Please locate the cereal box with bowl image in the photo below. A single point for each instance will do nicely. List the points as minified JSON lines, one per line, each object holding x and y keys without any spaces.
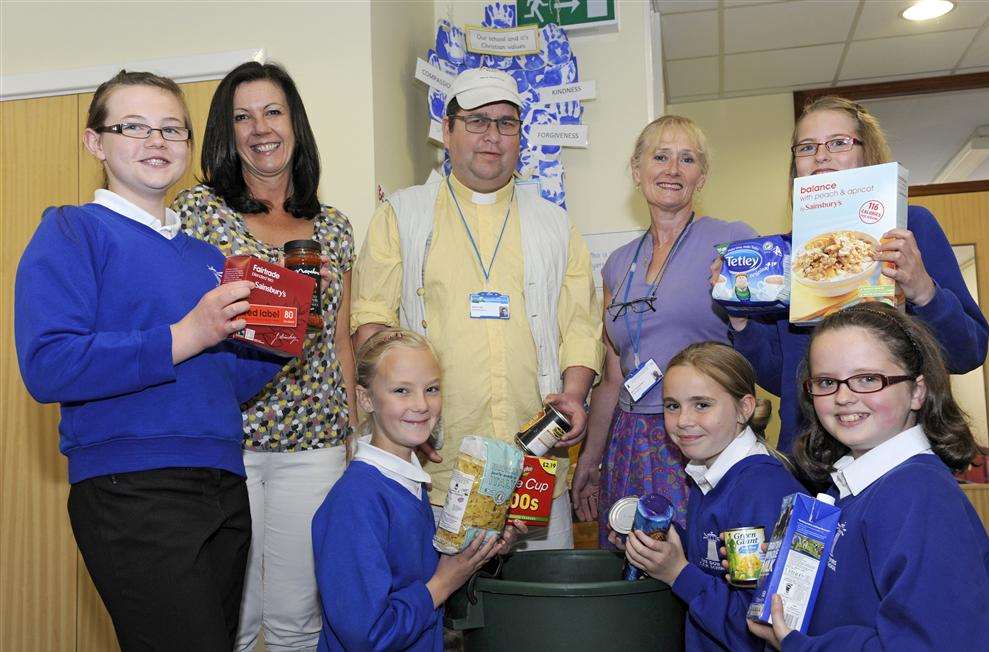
{"x":484,"y":478}
{"x":839,"y":219}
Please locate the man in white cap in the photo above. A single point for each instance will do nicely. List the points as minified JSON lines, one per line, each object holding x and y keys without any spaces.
{"x":497,"y":279}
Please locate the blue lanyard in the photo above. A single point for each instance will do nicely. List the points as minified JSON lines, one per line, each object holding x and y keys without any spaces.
{"x":636,"y":338}
{"x":470,"y":236}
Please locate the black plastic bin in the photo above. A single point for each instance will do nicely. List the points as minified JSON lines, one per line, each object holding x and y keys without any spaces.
{"x":566,"y":601}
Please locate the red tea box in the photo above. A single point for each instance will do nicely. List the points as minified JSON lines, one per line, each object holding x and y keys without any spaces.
{"x":280,"y":300}
{"x":533,"y":497}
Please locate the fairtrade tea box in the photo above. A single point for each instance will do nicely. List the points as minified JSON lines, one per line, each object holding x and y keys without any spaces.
{"x":280,"y":301}
{"x":839,"y":219}
{"x":754,"y":278}
{"x":533,"y":497}
{"x":796,"y":558}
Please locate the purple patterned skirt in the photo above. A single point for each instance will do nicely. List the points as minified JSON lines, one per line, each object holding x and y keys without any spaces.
{"x":640,"y":459}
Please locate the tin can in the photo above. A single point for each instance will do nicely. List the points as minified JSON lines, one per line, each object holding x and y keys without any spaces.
{"x":744,"y":546}
{"x":621,"y":516}
{"x":653,"y":516}
{"x":542,"y":432}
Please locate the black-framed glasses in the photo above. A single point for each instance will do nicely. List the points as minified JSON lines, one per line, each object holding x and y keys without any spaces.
{"x":839,"y":144}
{"x":859,"y":383}
{"x":637,"y":306}
{"x":138,"y":130}
{"x":479,"y":124}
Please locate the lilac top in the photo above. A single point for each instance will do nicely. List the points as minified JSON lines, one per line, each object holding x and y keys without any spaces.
{"x":685,"y":312}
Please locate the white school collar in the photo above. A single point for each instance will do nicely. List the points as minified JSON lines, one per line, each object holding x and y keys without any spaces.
{"x":408,"y":474}
{"x":742,"y":446}
{"x":853,"y":476}
{"x":109,"y":199}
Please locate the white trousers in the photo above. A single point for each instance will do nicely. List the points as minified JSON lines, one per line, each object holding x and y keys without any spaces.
{"x":280,"y":595}
{"x":556,"y":535}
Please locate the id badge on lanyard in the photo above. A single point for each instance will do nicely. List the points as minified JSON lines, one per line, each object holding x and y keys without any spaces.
{"x":642,"y":379}
{"x":489,"y":305}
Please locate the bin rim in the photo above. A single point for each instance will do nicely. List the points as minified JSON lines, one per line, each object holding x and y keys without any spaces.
{"x":568,"y":589}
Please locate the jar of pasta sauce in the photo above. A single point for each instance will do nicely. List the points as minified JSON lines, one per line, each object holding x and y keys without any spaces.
{"x":303,"y":256}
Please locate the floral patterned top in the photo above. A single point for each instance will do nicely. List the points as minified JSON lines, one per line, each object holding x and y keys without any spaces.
{"x":305,"y":406}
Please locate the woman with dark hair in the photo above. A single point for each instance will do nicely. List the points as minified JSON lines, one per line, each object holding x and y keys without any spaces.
{"x":260,"y":175}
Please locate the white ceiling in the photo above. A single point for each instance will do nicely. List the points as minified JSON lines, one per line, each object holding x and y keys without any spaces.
{"x":728,"y":48}
{"x":926,"y":131}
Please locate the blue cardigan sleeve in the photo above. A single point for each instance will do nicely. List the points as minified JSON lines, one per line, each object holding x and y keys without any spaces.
{"x":759,"y":342}
{"x":953,"y":315}
{"x":927,"y":555}
{"x":713,"y":605}
{"x":354,"y":579}
{"x":253,"y":369}
{"x":62,"y":358}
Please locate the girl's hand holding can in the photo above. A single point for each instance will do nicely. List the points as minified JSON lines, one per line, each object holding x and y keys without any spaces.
{"x":662,"y":560}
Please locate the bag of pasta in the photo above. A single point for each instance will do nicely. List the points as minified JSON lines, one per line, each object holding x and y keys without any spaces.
{"x":481,"y":487}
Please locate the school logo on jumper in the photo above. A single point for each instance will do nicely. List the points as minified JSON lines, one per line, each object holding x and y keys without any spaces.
{"x":711,"y":560}
{"x":832,"y":562}
{"x":216,"y":274}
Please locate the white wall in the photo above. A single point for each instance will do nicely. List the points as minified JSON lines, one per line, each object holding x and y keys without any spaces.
{"x":325,"y":46}
{"x":400,"y":32}
{"x":749,"y":139}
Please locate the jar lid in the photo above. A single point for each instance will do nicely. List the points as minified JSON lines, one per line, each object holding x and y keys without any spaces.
{"x":621,"y":517}
{"x":302,"y":244}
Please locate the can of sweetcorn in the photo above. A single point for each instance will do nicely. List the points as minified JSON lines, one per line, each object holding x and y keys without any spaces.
{"x":744,"y":548}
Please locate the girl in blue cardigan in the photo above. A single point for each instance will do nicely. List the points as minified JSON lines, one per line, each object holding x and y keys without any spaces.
{"x":713,"y":416}
{"x":119,"y":317}
{"x":381,"y":583}
{"x":909,"y":569}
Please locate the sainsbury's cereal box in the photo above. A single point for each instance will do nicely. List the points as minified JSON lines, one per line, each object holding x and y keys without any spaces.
{"x":839,"y":218}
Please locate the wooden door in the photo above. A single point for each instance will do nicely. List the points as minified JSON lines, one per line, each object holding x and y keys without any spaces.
{"x":965,"y":219}
{"x":47,"y":600}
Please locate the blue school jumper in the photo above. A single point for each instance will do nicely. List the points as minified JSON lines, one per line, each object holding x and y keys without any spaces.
{"x":373,"y":549}
{"x":748,"y":495}
{"x":95,"y":296}
{"x":909,"y":570}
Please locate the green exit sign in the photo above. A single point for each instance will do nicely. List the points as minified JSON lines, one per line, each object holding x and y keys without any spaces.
{"x":566,"y":13}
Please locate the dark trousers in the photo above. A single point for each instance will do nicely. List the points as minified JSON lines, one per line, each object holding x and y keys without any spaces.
{"x":167,"y":550}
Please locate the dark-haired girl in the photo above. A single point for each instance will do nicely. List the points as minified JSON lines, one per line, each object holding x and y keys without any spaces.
{"x":909,"y":569}
{"x":120,"y":319}
{"x":260,"y":176}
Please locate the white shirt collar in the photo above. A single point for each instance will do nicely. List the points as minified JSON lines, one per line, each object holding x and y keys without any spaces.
{"x":484,"y":197}
{"x":853,"y":476}
{"x":118,"y":204}
{"x":742,"y":446}
{"x":408,"y":474}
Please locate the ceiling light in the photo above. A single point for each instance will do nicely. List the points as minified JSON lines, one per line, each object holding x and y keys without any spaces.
{"x":927,"y":9}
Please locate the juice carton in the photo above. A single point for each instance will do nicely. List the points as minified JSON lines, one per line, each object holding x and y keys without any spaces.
{"x":280,"y":301}
{"x":839,"y":219}
{"x":533,"y":497}
{"x":796,"y":559}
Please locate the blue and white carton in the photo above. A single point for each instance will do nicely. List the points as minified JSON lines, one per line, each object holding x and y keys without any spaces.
{"x":796,"y":559}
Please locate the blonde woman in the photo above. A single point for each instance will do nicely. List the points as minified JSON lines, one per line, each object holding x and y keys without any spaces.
{"x":657,"y":301}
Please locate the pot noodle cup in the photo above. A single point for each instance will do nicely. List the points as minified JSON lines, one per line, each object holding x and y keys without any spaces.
{"x":841,"y":282}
